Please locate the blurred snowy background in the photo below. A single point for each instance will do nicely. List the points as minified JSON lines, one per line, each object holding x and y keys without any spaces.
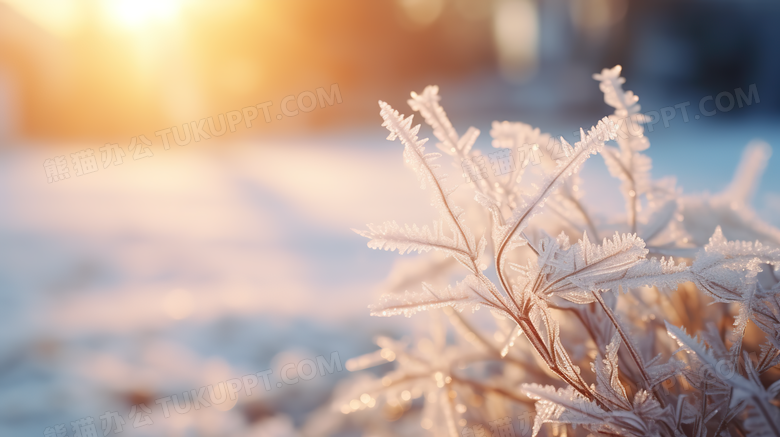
{"x":234,"y":255}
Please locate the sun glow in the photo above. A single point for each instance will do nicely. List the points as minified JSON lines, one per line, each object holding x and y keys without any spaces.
{"x":134,"y":14}
{"x":65,"y":17}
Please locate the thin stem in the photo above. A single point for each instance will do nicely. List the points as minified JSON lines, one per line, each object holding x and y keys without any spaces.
{"x":632,"y":188}
{"x":632,"y":352}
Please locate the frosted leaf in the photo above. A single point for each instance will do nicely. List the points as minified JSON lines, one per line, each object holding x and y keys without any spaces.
{"x":743,"y":387}
{"x":562,"y":406}
{"x":722,"y":258}
{"x":532,"y":204}
{"x":619,"y":262}
{"x":404,"y":239}
{"x":562,"y":358}
{"x":727,"y":271}
{"x":626,"y":162}
{"x":611,"y":84}
{"x":427,"y":104}
{"x":423,"y":164}
{"x":471,"y":292}
{"x":608,"y":383}
{"x":643,"y":417}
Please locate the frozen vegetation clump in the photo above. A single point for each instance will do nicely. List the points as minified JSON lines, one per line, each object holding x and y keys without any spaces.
{"x":662,"y":321}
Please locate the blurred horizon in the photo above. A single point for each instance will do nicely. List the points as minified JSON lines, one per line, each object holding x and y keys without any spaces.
{"x":105,"y":70}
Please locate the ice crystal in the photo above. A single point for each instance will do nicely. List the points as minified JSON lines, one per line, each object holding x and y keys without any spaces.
{"x":611,"y":305}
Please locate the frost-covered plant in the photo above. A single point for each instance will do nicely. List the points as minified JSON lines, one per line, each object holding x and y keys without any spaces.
{"x":603,"y":294}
